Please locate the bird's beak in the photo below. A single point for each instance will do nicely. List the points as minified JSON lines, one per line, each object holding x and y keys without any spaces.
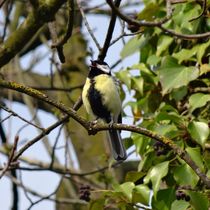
{"x":93,"y":64}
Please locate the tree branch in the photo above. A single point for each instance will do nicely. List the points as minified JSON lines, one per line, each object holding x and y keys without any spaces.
{"x":93,"y":129}
{"x":35,"y":193}
{"x":57,"y":167}
{"x":155,"y":24}
{"x":39,"y":137}
{"x":110,"y":31}
{"x":70,"y":24}
{"x":90,"y":31}
{"x":28,"y":28}
{"x":11,"y":156}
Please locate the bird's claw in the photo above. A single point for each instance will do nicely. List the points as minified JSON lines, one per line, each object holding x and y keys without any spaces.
{"x":91,"y":131}
{"x":111,"y":124}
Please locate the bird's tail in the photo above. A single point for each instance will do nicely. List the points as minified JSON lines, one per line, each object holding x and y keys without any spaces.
{"x":118,"y":149}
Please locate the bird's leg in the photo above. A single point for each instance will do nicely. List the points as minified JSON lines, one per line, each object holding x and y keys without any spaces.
{"x":111,"y":124}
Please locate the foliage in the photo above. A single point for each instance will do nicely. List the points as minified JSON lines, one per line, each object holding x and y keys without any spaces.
{"x":172,"y":98}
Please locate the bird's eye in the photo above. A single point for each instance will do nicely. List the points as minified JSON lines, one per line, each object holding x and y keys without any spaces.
{"x":93,"y":63}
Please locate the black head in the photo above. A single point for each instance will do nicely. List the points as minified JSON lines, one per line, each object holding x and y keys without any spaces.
{"x":100,"y":67}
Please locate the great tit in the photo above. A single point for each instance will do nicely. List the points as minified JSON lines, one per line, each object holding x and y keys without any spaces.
{"x":101,"y":99}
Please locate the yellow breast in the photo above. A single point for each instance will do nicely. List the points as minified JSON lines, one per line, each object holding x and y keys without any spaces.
{"x":109,"y":91}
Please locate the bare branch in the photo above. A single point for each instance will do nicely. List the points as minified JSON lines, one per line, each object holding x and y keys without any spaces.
{"x":202,"y":13}
{"x":47,"y":197}
{"x":110,"y":31}
{"x":185,"y":36}
{"x":70,"y":25}
{"x":10,"y":160}
{"x":94,"y":129}
{"x":27,"y":29}
{"x":133,"y":21}
{"x":17,"y":115}
{"x":156,"y":24}
{"x":58,"y":168}
{"x":90,"y":31}
{"x":39,"y":137}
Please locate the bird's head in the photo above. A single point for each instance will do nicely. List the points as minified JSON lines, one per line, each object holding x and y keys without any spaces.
{"x":100,"y":65}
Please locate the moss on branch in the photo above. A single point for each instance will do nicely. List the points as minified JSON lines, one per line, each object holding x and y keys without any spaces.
{"x":99,"y":127}
{"x":34,"y":21}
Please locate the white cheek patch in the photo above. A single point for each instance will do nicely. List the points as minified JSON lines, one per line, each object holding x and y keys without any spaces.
{"x":104,"y":68}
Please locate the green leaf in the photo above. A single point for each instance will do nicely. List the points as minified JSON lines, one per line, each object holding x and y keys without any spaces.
{"x":201,"y":50}
{"x":199,"y":131}
{"x":149,"y":11}
{"x":179,"y":93}
{"x":164,"y":199}
{"x":195,"y":154}
{"x":125,"y":77}
{"x":155,"y":175}
{"x":186,"y":54}
{"x":132,"y":46}
{"x":184,"y":175}
{"x":133,"y":176}
{"x":141,"y":194}
{"x":140,"y":142}
{"x":163,"y":44}
{"x":180,"y":205}
{"x":147,"y":160}
{"x":145,"y":73}
{"x":198,"y":100}
{"x":138,"y":84}
{"x":172,"y":75}
{"x":170,"y":116}
{"x":198,"y":200}
{"x":96,"y":204}
{"x":126,"y":188}
{"x":153,"y":60}
{"x":165,"y":130}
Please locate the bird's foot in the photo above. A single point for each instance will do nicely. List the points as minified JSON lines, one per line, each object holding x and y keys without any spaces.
{"x":111,"y":124}
{"x":91,"y":130}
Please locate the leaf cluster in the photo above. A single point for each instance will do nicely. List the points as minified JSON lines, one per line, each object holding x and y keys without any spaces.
{"x":171,"y":84}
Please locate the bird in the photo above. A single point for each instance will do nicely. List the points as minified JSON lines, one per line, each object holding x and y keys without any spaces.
{"x":101,"y":100}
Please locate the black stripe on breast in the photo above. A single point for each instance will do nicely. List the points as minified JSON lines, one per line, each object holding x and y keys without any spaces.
{"x":95,"y":100}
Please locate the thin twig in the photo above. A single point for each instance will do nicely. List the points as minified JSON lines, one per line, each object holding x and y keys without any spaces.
{"x":109,"y":34}
{"x":156,"y":24}
{"x":40,"y":136}
{"x":202,"y":13}
{"x":15,"y":191}
{"x":35,"y":193}
{"x":134,"y":21}
{"x":17,"y":115}
{"x":6,"y":118}
{"x":58,"y":168}
{"x":70,"y":25}
{"x":59,"y":45}
{"x":123,"y":35}
{"x":10,"y":160}
{"x":52,"y":29}
{"x":55,"y":145}
{"x":90,"y":31}
{"x":185,"y":36}
{"x":7,"y":20}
